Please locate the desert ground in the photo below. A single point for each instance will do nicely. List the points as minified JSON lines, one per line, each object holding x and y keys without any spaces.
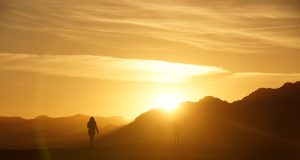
{"x":144,"y":151}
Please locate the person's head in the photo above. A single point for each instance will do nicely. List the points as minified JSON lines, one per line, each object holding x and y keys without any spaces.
{"x":92,"y":119}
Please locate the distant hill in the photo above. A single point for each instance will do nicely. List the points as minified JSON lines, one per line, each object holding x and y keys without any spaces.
{"x":44,"y":131}
{"x":267,"y":118}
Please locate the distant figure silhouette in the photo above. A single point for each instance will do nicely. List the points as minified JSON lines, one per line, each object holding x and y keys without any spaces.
{"x":176,"y":133}
{"x":92,"y":128}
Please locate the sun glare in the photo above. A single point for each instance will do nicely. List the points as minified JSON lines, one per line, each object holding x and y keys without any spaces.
{"x":168,"y":102}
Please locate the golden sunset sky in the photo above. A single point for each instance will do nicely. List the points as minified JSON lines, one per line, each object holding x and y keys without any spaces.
{"x":105,"y":57}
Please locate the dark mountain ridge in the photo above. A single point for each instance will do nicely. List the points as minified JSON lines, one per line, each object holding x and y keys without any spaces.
{"x":266,"y":118}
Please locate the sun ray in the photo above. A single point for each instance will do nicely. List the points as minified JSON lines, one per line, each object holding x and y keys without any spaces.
{"x":168,"y":102}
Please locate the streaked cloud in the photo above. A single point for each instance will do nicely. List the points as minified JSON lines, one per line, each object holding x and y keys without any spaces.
{"x":216,"y":26}
{"x":104,"y":67}
{"x":246,"y":78}
{"x":260,"y":74}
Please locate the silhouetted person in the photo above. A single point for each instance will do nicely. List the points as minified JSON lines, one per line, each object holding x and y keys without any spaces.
{"x":92,"y":128}
{"x":176,"y":133}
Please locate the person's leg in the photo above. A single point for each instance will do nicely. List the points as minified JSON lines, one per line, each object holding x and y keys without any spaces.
{"x":91,"y":140}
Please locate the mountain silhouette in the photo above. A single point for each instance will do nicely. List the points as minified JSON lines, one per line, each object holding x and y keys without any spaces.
{"x":266,"y":122}
{"x":267,"y":119}
{"x":44,"y":131}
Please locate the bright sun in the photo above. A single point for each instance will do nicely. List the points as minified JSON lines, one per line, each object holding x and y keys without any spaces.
{"x":168,"y":102}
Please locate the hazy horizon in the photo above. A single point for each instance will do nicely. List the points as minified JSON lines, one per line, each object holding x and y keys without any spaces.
{"x":124,"y":117}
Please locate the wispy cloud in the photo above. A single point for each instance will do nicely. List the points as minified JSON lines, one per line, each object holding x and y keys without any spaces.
{"x":259,"y":77}
{"x":247,"y":78}
{"x":219,"y":25}
{"x":104,"y":67}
